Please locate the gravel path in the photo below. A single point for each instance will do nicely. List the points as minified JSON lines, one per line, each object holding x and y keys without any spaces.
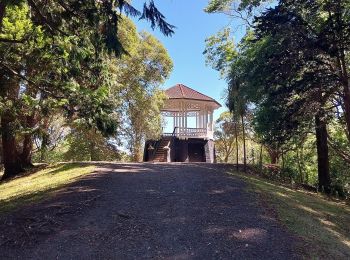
{"x":150,"y":211}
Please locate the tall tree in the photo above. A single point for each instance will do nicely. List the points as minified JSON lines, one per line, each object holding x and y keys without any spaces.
{"x":70,"y":43}
{"x":142,"y":71}
{"x":226,"y":136}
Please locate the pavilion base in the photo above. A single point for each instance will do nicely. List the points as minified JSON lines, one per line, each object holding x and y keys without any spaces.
{"x":170,"y":149}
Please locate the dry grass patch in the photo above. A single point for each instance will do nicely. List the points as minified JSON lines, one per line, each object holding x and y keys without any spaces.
{"x":322,"y":223}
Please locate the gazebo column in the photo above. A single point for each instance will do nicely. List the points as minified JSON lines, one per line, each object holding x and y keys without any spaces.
{"x":181,"y":117}
{"x":211,"y":120}
{"x":177,"y":119}
{"x":185,"y":116}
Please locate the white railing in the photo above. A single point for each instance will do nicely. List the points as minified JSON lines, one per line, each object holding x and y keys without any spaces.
{"x":182,"y":132}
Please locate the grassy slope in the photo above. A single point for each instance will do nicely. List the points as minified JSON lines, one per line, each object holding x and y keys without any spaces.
{"x":39,"y":185}
{"x":323,"y":224}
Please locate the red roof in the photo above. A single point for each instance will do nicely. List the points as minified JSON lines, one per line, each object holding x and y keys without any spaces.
{"x":180,"y":91}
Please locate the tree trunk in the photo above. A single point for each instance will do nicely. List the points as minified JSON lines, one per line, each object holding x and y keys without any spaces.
{"x":137,"y":151}
{"x":274,"y":154}
{"x":244,"y":146}
{"x":93,"y":156}
{"x":45,"y":140}
{"x":261,"y":159}
{"x":236,"y":136}
{"x":301,"y":174}
{"x":2,"y":13}
{"x":26,"y":156}
{"x":324,"y":180}
{"x":226,"y":158}
{"x":347,"y":107}
{"x":10,"y":157}
{"x":342,"y":66}
{"x":44,"y":147}
{"x":9,"y":89}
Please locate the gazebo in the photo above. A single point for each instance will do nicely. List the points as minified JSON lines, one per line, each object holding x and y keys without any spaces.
{"x":191,"y":139}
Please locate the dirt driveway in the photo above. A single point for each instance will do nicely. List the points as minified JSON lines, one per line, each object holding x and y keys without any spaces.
{"x":148,"y":211}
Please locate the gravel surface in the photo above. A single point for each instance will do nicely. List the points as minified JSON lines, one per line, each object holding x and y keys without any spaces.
{"x":148,"y":211}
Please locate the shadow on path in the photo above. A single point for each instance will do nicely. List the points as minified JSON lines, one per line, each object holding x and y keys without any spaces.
{"x":138,"y":211}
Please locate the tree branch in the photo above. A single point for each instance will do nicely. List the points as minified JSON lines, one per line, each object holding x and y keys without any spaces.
{"x":12,"y":41}
{"x":345,"y":156}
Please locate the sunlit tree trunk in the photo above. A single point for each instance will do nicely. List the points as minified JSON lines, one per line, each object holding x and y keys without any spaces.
{"x":45,"y":141}
{"x":299,"y":158}
{"x":261,"y":158}
{"x":26,"y":155}
{"x":137,"y":148}
{"x":226,"y":158}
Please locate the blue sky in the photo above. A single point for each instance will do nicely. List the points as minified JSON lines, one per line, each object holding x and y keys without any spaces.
{"x":186,"y":46}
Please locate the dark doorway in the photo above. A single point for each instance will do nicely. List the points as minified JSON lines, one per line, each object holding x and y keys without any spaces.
{"x":196,"y":152}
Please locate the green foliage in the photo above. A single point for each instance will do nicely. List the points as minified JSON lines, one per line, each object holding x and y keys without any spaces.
{"x":220,"y":51}
{"x":227,"y":5}
{"x":89,"y":145}
{"x":66,"y":18}
{"x":225,"y":134}
{"x":142,"y":72}
{"x":82,"y":62}
{"x":289,"y":70}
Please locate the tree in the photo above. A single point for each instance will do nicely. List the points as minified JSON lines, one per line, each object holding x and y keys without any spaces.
{"x":220,"y":51}
{"x":242,"y":10}
{"x":50,"y":80}
{"x":306,"y":80}
{"x":86,"y":144}
{"x":226,"y":136}
{"x":60,"y":17}
{"x":142,"y":72}
{"x":55,"y":55}
{"x":292,"y":66}
{"x":143,"y":121}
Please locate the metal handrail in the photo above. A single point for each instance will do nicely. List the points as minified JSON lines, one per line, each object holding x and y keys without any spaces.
{"x":174,"y":132}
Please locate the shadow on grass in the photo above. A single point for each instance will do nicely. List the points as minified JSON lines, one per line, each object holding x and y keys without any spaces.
{"x":40,"y":184}
{"x":324,"y":224}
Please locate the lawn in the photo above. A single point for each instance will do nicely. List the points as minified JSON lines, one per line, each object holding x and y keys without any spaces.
{"x":323,"y":224}
{"x":39,"y":185}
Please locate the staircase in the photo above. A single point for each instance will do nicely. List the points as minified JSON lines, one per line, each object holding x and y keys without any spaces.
{"x":160,"y":153}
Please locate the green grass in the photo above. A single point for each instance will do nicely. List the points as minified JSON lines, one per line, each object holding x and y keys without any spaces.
{"x":39,"y":185}
{"x":323,"y":224}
